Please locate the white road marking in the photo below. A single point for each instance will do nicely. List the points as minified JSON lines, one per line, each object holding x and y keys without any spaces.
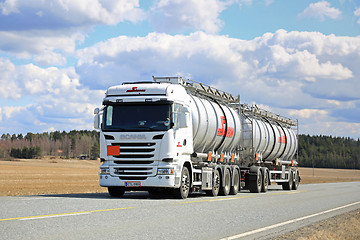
{"x":287,"y":222}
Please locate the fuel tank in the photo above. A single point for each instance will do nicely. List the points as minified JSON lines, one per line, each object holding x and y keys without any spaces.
{"x":216,"y":127}
{"x":221,"y":128}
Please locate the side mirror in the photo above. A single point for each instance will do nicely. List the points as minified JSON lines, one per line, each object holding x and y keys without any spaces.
{"x":97,"y":121}
{"x":97,"y":118}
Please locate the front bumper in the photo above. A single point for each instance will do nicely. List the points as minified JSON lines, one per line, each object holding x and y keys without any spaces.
{"x":170,"y":181}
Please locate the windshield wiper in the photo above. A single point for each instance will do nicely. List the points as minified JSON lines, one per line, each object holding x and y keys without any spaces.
{"x":145,"y":127}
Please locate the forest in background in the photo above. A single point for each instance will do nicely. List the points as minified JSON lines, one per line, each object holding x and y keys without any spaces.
{"x":314,"y":151}
{"x":329,"y":152}
{"x":73,"y":144}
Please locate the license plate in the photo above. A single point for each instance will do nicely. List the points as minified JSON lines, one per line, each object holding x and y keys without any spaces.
{"x":133,"y":184}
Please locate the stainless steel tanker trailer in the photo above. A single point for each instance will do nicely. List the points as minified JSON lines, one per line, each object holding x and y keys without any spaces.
{"x":178,"y":136}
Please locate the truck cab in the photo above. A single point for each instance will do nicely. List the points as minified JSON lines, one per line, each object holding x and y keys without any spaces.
{"x":145,"y":136}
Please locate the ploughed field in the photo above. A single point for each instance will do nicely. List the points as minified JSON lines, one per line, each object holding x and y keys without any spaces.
{"x":62,"y":176}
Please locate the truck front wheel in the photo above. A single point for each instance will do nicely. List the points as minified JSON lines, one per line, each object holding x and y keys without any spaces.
{"x":183,"y":191}
{"x":116,"y":191}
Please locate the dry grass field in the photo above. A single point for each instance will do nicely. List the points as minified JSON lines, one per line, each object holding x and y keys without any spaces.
{"x":61,"y":176}
{"x":48,"y":176}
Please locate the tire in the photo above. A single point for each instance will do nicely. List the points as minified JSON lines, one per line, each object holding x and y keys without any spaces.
{"x":288,"y":185}
{"x":296,"y":181}
{"x":225,"y":186}
{"x":215,"y":185}
{"x":255,"y":184}
{"x":116,"y":191}
{"x":183,"y":191}
{"x":234,"y":189}
{"x":265,"y":180}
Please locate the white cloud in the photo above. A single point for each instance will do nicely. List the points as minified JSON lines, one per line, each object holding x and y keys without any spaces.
{"x":54,"y":99}
{"x":47,"y":30}
{"x":8,"y":89}
{"x":321,"y":10}
{"x":8,"y":7}
{"x":308,"y":113}
{"x":175,"y":16}
{"x":50,"y":58}
{"x":357,"y":14}
{"x":58,"y":14}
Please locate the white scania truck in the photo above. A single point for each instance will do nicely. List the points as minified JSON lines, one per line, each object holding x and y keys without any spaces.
{"x":178,"y":136}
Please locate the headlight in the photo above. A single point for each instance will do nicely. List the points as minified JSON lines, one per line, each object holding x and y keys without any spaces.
{"x":104,"y":171}
{"x":165,"y":171}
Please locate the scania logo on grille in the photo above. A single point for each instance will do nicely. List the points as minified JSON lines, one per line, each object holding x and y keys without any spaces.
{"x":132,"y":136}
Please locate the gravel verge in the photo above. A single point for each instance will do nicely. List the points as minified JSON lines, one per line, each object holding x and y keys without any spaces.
{"x":344,"y":226}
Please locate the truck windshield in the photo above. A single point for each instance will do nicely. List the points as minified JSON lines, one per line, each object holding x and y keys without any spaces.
{"x":137,"y":117}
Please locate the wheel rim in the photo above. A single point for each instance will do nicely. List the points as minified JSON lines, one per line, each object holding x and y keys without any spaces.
{"x":216,"y":181}
{"x":185,"y":182}
{"x":227,"y":182}
{"x":259,"y":180}
{"x":236,"y":183}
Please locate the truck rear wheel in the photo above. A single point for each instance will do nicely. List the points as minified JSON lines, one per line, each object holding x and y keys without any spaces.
{"x":116,"y":191}
{"x":183,"y":191}
{"x":296,"y":181}
{"x":288,"y":185}
{"x":225,"y":188}
{"x":265,"y":180}
{"x":234,"y":189}
{"x":215,"y":185}
{"x":255,"y":184}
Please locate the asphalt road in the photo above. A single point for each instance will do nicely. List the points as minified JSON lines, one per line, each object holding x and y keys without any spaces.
{"x":138,"y":216}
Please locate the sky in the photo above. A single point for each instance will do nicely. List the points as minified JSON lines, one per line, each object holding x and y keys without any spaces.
{"x":300,"y":59}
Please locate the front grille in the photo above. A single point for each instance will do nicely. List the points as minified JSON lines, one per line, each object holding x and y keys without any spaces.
{"x":134,"y":155}
{"x":132,"y":171}
{"x":133,"y":162}
{"x":142,"y":150}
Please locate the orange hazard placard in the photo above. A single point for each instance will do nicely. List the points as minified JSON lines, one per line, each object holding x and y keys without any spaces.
{"x":113,"y":150}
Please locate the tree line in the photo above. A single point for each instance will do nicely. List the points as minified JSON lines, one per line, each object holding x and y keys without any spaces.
{"x":314,"y":151}
{"x":71,"y":144}
{"x":329,"y":152}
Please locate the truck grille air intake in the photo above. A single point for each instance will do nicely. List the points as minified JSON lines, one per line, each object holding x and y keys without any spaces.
{"x":131,"y":161}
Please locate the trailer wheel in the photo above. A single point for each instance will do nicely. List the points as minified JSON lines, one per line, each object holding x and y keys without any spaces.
{"x":234,"y":189}
{"x":256,"y":183}
{"x":296,"y":181}
{"x":116,"y":191}
{"x":183,"y":191}
{"x":216,"y":185}
{"x":265,"y":180}
{"x":288,"y":185}
{"x":225,"y":188}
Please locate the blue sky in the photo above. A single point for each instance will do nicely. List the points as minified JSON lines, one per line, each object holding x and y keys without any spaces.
{"x":297,"y":58}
